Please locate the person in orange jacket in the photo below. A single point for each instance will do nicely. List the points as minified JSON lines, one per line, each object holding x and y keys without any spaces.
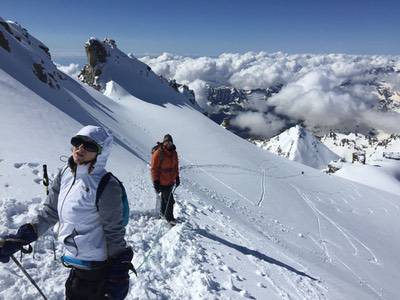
{"x":165,"y":174}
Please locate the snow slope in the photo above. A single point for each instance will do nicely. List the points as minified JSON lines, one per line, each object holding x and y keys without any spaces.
{"x":302,"y":146}
{"x":383,"y":174}
{"x":252,"y":225}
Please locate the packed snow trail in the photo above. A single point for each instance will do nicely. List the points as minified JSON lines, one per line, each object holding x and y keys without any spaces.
{"x":162,"y":275}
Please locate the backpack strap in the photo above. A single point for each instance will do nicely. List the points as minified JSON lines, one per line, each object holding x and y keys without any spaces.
{"x":160,"y":158}
{"x":125,"y":205}
{"x":158,"y":147}
{"x":100,"y":189}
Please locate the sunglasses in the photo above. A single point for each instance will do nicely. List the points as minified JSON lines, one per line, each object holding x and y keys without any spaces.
{"x":88,"y":145}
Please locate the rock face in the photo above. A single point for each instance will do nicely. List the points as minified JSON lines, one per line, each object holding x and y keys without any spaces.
{"x":97,"y":55}
{"x":5,"y":25}
{"x":16,"y":40}
{"x":96,"y":52}
{"x":4,"y":43}
{"x":39,"y":72}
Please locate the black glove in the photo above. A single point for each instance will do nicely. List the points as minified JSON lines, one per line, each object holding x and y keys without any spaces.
{"x":117,"y":279}
{"x":177,"y":181}
{"x":14,"y":242}
{"x":157,"y":186}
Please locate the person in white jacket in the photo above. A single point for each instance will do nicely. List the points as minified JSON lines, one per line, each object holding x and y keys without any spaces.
{"x":92,"y":232}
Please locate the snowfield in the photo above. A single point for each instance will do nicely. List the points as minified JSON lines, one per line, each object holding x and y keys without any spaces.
{"x":251,"y":225}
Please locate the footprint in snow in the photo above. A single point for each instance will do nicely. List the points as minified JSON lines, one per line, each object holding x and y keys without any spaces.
{"x":38,"y":180}
{"x":261,"y":285}
{"x":35,"y":171}
{"x":18,"y":165}
{"x":229,"y":269}
{"x":238,"y":277}
{"x":6,"y":185}
{"x":33,"y":165}
{"x":246,"y":294}
{"x":229,"y":285}
{"x":260,"y":273}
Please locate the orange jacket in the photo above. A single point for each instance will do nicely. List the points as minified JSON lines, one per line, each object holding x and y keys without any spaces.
{"x":165,"y":169}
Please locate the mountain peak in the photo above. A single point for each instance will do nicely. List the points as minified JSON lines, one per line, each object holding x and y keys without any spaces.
{"x":108,"y":63}
{"x":300,"y":145}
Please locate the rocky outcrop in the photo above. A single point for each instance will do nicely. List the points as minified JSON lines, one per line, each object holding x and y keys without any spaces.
{"x":38,"y":70}
{"x":183,"y":89}
{"x":96,"y":55}
{"x":95,"y":52}
{"x":5,"y":25}
{"x":89,"y":75}
{"x":45,"y":76}
{"x":4,"y":43}
{"x":46,"y":50}
{"x":225,"y":95}
{"x":36,"y":55}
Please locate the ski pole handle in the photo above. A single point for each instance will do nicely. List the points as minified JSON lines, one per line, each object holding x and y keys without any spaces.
{"x":4,"y":241}
{"x":19,"y":241}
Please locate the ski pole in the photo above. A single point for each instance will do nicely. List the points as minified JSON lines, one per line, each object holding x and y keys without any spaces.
{"x":28,"y":276}
{"x":46,"y":182}
{"x":169,"y":197}
{"x":29,"y":250}
{"x":46,"y":179}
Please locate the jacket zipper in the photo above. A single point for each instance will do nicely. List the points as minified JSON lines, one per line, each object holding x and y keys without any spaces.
{"x":62,"y":204}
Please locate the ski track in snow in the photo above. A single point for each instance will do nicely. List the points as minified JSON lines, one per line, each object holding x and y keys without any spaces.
{"x":222,"y":183}
{"x":223,"y":166}
{"x":304,"y":288}
{"x":193,"y":166}
{"x":348,"y":237}
{"x":362,"y":281}
{"x":263,"y":191}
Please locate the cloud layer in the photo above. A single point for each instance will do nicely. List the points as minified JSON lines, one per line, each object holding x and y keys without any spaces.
{"x":332,"y":90}
{"x":71,"y":70}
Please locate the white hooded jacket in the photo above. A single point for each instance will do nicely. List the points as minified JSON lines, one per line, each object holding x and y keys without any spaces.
{"x":88,"y":233}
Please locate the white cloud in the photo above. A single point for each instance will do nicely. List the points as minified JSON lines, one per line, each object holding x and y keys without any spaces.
{"x":72,"y":69}
{"x":200,"y":89}
{"x":259,"y":123}
{"x":389,"y":122}
{"x":319,"y":99}
{"x":331,"y":90}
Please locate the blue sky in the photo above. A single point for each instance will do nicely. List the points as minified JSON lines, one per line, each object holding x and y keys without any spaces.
{"x":213,"y":27}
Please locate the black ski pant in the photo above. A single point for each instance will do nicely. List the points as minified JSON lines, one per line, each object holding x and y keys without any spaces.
{"x":167,"y":202}
{"x":85,"y":284}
